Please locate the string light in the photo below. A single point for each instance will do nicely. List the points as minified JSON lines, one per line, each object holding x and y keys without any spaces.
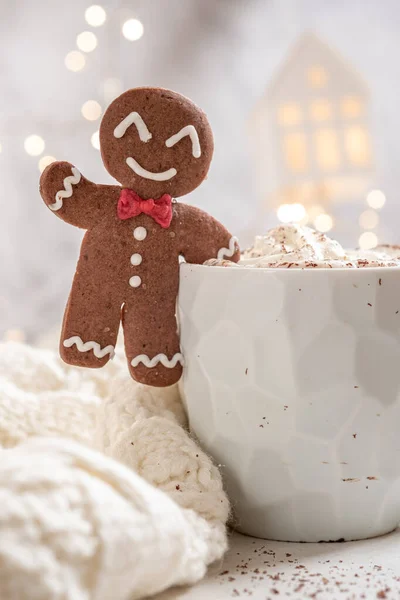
{"x":323,"y":223}
{"x":75,"y":61}
{"x":376,"y":199}
{"x":368,"y":240}
{"x":291,"y":213}
{"x":132,"y":29}
{"x":86,"y":41}
{"x":44,"y":162}
{"x":95,"y":140}
{"x":369,"y":219}
{"x":34,"y":145}
{"x":95,"y":15}
{"x":91,"y":110}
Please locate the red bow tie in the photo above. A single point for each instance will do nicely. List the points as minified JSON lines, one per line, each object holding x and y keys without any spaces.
{"x":130,"y":204}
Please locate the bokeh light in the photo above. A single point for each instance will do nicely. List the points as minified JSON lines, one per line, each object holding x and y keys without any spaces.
{"x":34,"y":145}
{"x":368,"y":240}
{"x":323,"y":223}
{"x":14,"y":335}
{"x":95,"y":15}
{"x":376,"y":199}
{"x":86,"y":41}
{"x":369,"y":219}
{"x":111,"y":88}
{"x":291,"y":213}
{"x":132,"y":29}
{"x":74,"y":61}
{"x":44,"y":162}
{"x":315,"y":210}
{"x":91,"y":110}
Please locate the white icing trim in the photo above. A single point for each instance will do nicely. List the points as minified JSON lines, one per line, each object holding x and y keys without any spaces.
{"x":133,"y":117}
{"x":159,"y":358}
{"x":136,"y":168}
{"x":189,"y":130}
{"x":98,"y":351}
{"x":222,"y":252}
{"x":67,"y":191}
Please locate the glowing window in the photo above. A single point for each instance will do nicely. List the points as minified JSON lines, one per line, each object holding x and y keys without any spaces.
{"x":321,"y":110}
{"x":357,"y":144}
{"x":352,"y":107}
{"x":295,"y":149}
{"x":289,"y":114}
{"x":317,"y":76}
{"x":327,"y":149}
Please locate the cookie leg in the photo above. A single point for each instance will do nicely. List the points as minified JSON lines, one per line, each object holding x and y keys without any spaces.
{"x":91,"y":322}
{"x":152,"y":342}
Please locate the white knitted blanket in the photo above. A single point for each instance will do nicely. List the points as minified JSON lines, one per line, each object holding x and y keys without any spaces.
{"x":103,"y":494}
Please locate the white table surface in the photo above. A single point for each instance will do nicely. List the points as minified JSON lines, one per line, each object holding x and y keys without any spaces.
{"x":265,"y":570}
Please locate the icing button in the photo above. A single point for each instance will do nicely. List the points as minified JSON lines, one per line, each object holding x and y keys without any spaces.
{"x":139,"y":233}
{"x":135,"y":281}
{"x":136,"y":259}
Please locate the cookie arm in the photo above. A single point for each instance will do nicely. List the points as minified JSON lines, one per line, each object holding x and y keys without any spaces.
{"x":72,"y":197}
{"x":202,"y":237}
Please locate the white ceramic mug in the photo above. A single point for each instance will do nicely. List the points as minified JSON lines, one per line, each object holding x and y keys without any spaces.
{"x":292,"y":384}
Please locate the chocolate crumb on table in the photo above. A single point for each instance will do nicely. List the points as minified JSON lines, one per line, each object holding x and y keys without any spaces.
{"x":324,"y":571}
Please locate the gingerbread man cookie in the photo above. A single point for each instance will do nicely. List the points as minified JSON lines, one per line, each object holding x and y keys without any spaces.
{"x":158,"y":145}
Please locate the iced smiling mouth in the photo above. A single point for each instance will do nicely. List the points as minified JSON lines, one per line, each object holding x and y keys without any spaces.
{"x":139,"y":170}
{"x":134,"y":118}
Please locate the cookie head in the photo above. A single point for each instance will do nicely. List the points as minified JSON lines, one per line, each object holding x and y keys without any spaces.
{"x":156,"y":142}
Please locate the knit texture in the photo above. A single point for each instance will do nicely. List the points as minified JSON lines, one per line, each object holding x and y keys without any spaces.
{"x":75,"y":522}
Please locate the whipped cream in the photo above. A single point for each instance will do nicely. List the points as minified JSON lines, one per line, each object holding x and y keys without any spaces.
{"x":294,"y":246}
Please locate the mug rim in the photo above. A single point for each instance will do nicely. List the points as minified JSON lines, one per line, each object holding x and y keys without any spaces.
{"x":240,"y":269}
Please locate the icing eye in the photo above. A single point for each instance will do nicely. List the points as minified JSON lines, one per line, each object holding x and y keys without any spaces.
{"x":133,"y":119}
{"x":189,"y":130}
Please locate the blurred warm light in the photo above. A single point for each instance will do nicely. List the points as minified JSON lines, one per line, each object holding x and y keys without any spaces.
{"x":317,"y":76}
{"x":314,"y":211}
{"x":95,"y":140}
{"x":323,"y":223}
{"x":86,"y":41}
{"x":376,"y":199}
{"x":367,"y":240}
{"x":75,"y":61}
{"x":14,"y":335}
{"x":291,"y":213}
{"x":369,"y":219}
{"x":111,"y":88}
{"x":295,"y":147}
{"x":91,"y":110}
{"x":289,"y":114}
{"x":352,"y":107}
{"x":34,"y":145}
{"x":321,"y":110}
{"x":327,"y":149}
{"x":44,"y":162}
{"x":357,"y":145}
{"x":132,"y":29}
{"x":95,"y":15}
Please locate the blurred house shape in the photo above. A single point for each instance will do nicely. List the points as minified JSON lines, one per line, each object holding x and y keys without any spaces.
{"x":311,"y":130}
